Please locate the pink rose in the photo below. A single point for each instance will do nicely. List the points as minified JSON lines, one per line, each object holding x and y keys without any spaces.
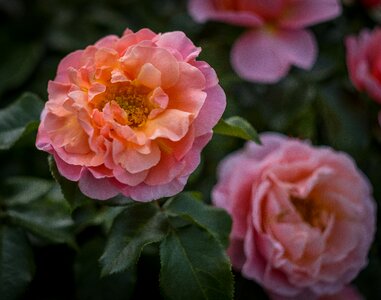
{"x":364,"y":62}
{"x":303,"y":217}
{"x":130,"y":115}
{"x":276,"y":39}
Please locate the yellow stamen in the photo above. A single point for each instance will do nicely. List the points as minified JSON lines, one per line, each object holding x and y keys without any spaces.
{"x":131,"y":98}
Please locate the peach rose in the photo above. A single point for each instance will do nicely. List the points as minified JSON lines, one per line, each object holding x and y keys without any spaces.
{"x":276,"y":39}
{"x":303,"y":217}
{"x":364,"y":62}
{"x":130,"y":115}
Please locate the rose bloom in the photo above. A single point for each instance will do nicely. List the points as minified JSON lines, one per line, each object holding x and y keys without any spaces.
{"x":364,"y":62}
{"x":303,"y":216}
{"x":276,"y":39}
{"x":130,"y":115}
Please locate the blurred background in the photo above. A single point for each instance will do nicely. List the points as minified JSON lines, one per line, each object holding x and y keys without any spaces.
{"x":320,"y":105}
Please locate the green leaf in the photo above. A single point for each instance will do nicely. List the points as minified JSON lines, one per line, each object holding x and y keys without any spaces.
{"x":16,"y":262}
{"x":137,"y":226}
{"x":47,"y":217}
{"x":90,"y":285}
{"x":69,"y":189}
{"x":237,"y":127}
{"x":194,"y":266}
{"x":18,"y":63}
{"x":19,"y":118}
{"x":22,"y":190}
{"x":213,"y":219}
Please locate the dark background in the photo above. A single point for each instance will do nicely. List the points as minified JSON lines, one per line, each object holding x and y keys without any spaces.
{"x":320,"y":105}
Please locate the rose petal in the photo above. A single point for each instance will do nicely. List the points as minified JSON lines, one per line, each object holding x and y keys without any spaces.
{"x":303,"y":13}
{"x":266,"y":57}
{"x":203,"y":10}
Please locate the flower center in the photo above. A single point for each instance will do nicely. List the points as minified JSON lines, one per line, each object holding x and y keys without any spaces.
{"x":310,"y":212}
{"x":131,"y":98}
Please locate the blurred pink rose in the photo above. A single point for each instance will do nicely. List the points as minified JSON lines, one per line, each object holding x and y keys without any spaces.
{"x":130,"y":115}
{"x":303,"y":217}
{"x":347,"y":293}
{"x":277,"y":38}
{"x":364,"y":62}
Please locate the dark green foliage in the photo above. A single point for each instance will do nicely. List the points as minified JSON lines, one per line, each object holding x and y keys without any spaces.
{"x":193,"y":260}
{"x":18,"y":119}
{"x":16,"y":262}
{"x":65,"y":233}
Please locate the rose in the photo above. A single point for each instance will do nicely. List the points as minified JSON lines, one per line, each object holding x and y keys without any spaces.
{"x":364,"y":62}
{"x":276,"y":39}
{"x":130,"y":115}
{"x":303,"y":217}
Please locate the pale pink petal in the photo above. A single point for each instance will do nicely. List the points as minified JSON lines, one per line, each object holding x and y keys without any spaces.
{"x":134,"y":161}
{"x":293,"y":237}
{"x":71,"y":60}
{"x":188,"y":93}
{"x":106,"y":57}
{"x":178,"y":43}
{"x":167,"y":170}
{"x":127,"y":178}
{"x":264,"y":56}
{"x":130,"y":38}
{"x":160,"y":58}
{"x":180,"y":148}
{"x":107,"y":41}
{"x":43,"y":141}
{"x":100,"y":189}
{"x":58,"y":90}
{"x":71,"y":172}
{"x":304,"y":13}
{"x":211,"y":111}
{"x":145,"y":193}
{"x":204,"y":10}
{"x":209,"y":73}
{"x":193,"y":157}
